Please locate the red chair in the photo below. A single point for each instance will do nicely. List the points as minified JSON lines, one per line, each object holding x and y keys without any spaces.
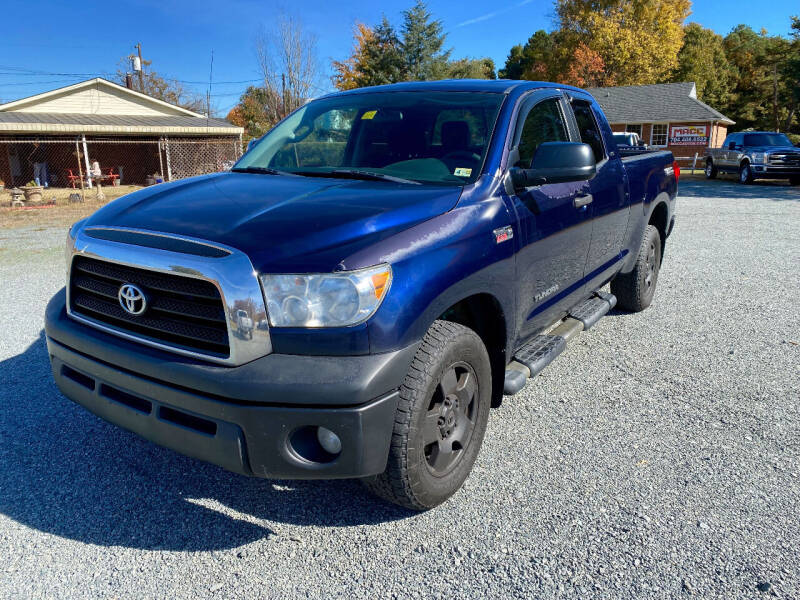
{"x":73,"y":179}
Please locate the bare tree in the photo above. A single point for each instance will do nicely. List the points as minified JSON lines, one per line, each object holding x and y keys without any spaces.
{"x":287,"y":57}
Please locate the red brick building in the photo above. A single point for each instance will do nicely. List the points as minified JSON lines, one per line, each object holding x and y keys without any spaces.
{"x":666,"y":115}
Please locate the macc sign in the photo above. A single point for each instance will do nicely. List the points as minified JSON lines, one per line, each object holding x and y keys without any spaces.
{"x":688,"y":135}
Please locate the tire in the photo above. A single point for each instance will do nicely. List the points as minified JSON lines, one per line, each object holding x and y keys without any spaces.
{"x":438,"y":410}
{"x":635,"y":290}
{"x":746,"y":174}
{"x":711,"y":170}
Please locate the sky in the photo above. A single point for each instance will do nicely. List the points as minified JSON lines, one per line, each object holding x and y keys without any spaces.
{"x":65,"y":42}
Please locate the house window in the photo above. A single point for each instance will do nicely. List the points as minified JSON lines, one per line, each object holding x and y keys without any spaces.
{"x":658,"y":137}
{"x":637,"y":129}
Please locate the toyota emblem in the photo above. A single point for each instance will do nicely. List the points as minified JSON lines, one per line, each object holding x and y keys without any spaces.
{"x":132,"y":299}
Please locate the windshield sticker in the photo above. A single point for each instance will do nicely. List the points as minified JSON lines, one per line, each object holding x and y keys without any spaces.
{"x":369,"y":115}
{"x":462,"y":172}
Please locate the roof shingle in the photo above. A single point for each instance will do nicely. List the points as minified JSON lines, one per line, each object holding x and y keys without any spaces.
{"x":670,"y":102}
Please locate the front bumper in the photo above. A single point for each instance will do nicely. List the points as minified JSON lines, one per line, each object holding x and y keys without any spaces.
{"x":768,"y":171}
{"x":240,"y":418}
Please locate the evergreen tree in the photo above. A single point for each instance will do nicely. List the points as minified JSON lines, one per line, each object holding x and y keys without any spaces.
{"x":382,"y":60}
{"x":422,"y":44}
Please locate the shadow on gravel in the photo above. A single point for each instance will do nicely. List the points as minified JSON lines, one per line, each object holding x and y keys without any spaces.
{"x":66,"y":472}
{"x":730,"y":188}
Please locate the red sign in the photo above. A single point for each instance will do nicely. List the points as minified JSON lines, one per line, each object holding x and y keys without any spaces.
{"x":688,"y":135}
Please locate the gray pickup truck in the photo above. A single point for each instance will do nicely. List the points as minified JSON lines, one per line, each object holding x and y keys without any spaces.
{"x":755,"y":155}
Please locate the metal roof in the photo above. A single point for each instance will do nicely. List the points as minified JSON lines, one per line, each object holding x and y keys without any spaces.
{"x":59,"y":123}
{"x":663,"y":102}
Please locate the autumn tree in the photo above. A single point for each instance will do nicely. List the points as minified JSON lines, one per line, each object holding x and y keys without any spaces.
{"x":347,"y":72}
{"x":702,"y":59}
{"x":156,"y":86}
{"x":253,"y":112}
{"x":586,"y":69}
{"x":637,"y":40}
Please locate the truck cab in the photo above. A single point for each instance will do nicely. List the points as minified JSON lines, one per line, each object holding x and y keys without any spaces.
{"x":412,"y":254}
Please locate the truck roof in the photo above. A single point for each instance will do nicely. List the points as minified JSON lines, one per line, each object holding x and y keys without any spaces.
{"x":496,"y":86}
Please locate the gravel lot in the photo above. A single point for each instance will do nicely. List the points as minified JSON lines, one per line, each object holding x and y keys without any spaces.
{"x":659,"y":457}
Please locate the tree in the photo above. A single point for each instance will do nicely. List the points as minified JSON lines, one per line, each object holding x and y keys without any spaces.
{"x":422,"y":44}
{"x":702,"y":59}
{"x":383,"y":57}
{"x":791,"y":73}
{"x":763,"y":88}
{"x":471,"y":68}
{"x":541,"y":58}
{"x":287,"y":58}
{"x":348,"y":71}
{"x":252,"y":112}
{"x":586,"y":69}
{"x":168,"y":90}
{"x":637,"y":40}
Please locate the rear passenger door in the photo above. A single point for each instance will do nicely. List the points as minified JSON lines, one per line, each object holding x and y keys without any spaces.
{"x":609,"y":208}
{"x":554,"y":233}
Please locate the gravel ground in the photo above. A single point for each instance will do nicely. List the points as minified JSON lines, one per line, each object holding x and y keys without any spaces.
{"x":659,"y":457}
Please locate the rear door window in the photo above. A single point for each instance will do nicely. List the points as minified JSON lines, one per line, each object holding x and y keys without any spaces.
{"x":588,"y":129}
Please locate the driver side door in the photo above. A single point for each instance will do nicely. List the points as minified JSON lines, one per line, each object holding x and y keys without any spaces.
{"x":555,"y":226}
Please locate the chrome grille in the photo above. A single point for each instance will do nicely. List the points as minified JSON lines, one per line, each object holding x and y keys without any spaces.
{"x":183,"y":312}
{"x":787,"y":159}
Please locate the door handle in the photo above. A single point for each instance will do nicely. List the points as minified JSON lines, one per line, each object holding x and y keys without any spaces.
{"x":581,"y":201}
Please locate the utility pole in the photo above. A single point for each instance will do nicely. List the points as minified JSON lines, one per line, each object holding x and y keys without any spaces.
{"x":283,"y":95}
{"x":141,"y":67}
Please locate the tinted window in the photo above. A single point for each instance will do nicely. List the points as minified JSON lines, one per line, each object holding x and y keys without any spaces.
{"x":587,"y":126}
{"x":439,"y":137}
{"x":766,"y":139}
{"x":544,"y":123}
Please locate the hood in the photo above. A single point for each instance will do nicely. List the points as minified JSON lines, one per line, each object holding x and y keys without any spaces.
{"x":772,"y":149}
{"x":283,"y":223}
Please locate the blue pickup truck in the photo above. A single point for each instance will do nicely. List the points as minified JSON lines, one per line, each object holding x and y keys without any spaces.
{"x":374,"y":274}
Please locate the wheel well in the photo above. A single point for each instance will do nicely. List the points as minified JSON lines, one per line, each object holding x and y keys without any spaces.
{"x":658,"y":219}
{"x":483,"y":314}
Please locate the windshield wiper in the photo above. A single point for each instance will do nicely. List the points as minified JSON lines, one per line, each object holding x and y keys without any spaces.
{"x":369,"y":175}
{"x":260,"y":170}
{"x":356,"y":174}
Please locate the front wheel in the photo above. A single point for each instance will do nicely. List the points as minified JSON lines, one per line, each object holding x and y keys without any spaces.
{"x":711,"y":170}
{"x":635,"y":290}
{"x":440,"y":420}
{"x":746,"y":174}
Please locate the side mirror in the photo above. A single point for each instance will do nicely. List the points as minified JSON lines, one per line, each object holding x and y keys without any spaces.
{"x":557,"y":162}
{"x":732,"y":146}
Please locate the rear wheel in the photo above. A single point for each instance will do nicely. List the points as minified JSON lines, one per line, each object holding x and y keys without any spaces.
{"x":746,"y":174}
{"x":635,"y":290}
{"x":711,"y":170}
{"x":440,"y":420}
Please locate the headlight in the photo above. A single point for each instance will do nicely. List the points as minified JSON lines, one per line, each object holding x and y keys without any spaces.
{"x":759,"y":157}
{"x":71,"y":235}
{"x":325,"y":299}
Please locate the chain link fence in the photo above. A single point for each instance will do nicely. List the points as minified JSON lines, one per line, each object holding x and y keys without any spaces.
{"x":46,"y":170}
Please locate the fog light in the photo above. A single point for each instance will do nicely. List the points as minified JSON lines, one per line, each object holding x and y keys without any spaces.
{"x":329,"y":441}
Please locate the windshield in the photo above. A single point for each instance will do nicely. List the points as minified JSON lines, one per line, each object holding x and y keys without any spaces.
{"x":423,"y":137}
{"x":766,"y":139}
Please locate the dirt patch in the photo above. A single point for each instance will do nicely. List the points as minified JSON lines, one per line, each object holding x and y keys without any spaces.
{"x":59,"y":210}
